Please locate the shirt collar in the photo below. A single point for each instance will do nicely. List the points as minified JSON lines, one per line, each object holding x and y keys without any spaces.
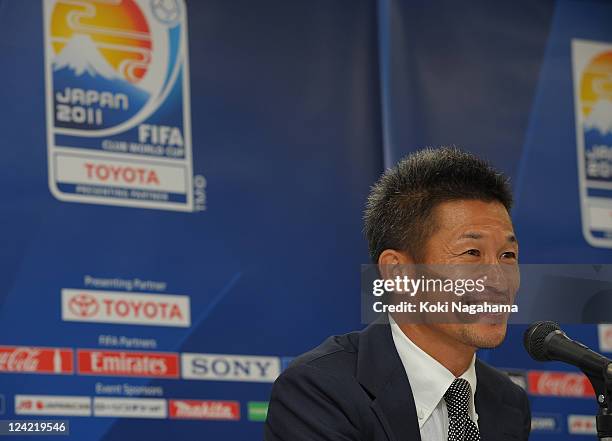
{"x":429,"y":380}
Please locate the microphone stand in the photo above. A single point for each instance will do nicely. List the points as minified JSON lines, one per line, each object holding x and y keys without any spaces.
{"x":602,"y":384}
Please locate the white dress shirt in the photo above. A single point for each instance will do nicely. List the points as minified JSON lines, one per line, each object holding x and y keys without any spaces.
{"x":429,"y":381}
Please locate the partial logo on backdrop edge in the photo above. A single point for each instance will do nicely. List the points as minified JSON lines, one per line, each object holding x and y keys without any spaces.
{"x":592,"y":76}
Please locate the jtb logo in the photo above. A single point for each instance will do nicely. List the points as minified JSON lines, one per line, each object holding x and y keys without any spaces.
{"x":230,"y":367}
{"x":118,"y":117}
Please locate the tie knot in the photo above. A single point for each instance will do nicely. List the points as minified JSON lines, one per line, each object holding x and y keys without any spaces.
{"x":457,"y":397}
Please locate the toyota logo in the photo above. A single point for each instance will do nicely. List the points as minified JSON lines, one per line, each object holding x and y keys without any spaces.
{"x":83,"y":305}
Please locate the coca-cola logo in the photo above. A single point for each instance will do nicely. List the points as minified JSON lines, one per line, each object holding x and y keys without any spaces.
{"x":19,"y":360}
{"x":84,"y":305}
{"x":36,"y":360}
{"x":559,"y":384}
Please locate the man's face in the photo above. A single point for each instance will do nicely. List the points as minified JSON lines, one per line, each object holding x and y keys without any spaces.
{"x":472,"y":232}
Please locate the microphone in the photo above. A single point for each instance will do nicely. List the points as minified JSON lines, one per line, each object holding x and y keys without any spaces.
{"x":545,"y":341}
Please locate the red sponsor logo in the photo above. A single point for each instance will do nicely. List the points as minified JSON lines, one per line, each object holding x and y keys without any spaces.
{"x":84,"y":305}
{"x":128,"y":364}
{"x":25,"y":359}
{"x":121,"y":174}
{"x":559,"y":384}
{"x":582,"y":425}
{"x":30,"y":405}
{"x":205,"y":410}
{"x":121,"y":307}
{"x":142,"y":310}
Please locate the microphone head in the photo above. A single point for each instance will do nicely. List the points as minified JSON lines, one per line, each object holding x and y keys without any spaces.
{"x":534,"y":337}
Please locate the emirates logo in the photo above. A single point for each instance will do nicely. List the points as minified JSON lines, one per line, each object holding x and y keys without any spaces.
{"x":84,"y":305}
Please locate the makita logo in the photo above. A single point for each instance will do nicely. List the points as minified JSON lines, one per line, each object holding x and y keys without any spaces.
{"x":559,"y":384}
{"x":204,"y":410}
{"x":124,"y":307}
{"x":230,"y":367}
{"x":128,"y":364}
{"x":22,"y":359}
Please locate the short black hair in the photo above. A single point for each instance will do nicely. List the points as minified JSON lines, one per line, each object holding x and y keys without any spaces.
{"x":400,"y":205}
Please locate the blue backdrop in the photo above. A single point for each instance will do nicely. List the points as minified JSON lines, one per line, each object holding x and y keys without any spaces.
{"x":295,"y":110}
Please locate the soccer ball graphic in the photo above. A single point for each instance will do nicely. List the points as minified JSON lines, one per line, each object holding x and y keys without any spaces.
{"x":166,"y":11}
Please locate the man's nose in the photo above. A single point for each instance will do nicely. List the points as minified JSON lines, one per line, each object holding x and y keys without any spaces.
{"x":500,"y":277}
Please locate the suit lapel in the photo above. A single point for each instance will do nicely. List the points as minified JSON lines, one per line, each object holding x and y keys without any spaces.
{"x":381,"y":373}
{"x":489,"y":407}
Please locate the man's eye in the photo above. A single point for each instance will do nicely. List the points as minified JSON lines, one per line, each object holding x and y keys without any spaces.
{"x":509,"y":255}
{"x":473,"y":252}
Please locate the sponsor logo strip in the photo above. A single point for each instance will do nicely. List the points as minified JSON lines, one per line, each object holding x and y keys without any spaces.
{"x":204,"y":410}
{"x":128,"y":363}
{"x":222,"y":367}
{"x":545,"y":422}
{"x":559,"y":384}
{"x":129,"y":407}
{"x":52,"y":405}
{"x":581,"y":425}
{"x":125,"y":308}
{"x":35,"y":360}
{"x":605,"y":337}
{"x":257,"y":410}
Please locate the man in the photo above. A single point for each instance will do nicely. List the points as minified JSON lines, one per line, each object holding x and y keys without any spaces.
{"x":409,"y":381}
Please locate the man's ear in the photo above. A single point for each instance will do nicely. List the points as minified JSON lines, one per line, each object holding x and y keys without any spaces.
{"x":391,"y":263}
{"x":394,"y":257}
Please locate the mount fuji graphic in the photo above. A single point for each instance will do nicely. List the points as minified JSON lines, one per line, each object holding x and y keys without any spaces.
{"x":80,"y":65}
{"x":82,"y":56}
{"x":600,"y":117}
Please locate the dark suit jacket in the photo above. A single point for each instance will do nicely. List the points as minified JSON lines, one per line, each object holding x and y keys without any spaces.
{"x":354,"y":387}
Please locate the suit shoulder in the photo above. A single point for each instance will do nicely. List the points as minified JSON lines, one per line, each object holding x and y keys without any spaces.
{"x":337,"y":355}
{"x":513,"y":393}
